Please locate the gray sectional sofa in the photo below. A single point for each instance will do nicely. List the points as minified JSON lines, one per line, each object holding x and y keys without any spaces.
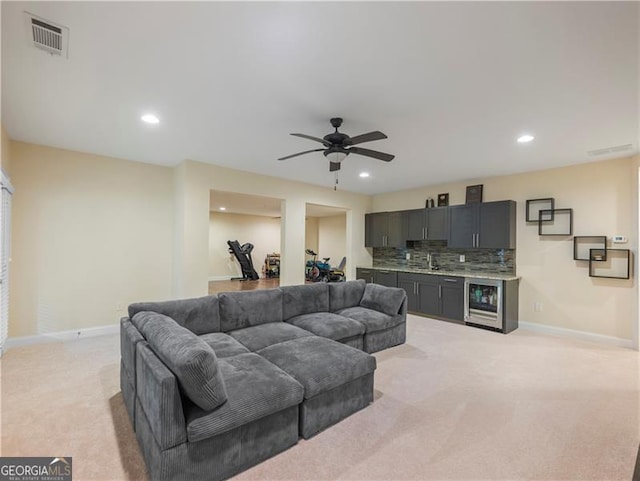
{"x":214,"y":385}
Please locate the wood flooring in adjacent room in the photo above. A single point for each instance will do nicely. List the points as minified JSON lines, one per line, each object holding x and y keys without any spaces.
{"x":453,"y":403}
{"x":238,"y":285}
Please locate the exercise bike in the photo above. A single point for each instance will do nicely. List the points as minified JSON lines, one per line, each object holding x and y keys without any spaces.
{"x":316,"y":271}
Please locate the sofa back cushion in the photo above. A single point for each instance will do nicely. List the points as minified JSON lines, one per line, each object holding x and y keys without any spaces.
{"x":199,"y":315}
{"x":188,"y":357}
{"x":345,"y":294}
{"x":249,"y":308}
{"x":383,"y":299}
{"x":304,"y":299}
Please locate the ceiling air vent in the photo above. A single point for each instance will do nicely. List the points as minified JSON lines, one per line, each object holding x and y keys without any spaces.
{"x":48,"y":36}
{"x":610,"y":150}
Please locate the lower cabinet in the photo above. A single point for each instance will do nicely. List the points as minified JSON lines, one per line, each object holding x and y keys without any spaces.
{"x":382,"y":277}
{"x":386,"y":278}
{"x":365,"y":274}
{"x":433,"y":295}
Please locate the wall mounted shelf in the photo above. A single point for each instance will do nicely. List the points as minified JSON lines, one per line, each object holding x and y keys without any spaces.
{"x":536,"y":205}
{"x":555,"y":222}
{"x":583,"y":244}
{"x":616,"y":266}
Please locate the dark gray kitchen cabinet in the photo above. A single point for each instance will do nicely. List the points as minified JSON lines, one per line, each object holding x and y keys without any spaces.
{"x":428,"y":295}
{"x":485,"y":225}
{"x":427,"y":224}
{"x":385,"y":229}
{"x":365,"y":274}
{"x":452,"y":298}
{"x":385,"y":278}
{"x":408,"y":283}
{"x":433,"y":295}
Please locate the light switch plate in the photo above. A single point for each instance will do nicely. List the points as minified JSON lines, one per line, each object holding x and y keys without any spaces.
{"x":619,"y":239}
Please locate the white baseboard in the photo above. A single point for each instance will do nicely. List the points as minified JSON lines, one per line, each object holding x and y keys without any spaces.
{"x":581,"y":335}
{"x":220,"y":278}
{"x":61,"y":336}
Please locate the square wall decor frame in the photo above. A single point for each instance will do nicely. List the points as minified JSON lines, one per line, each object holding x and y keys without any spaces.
{"x":555,"y":222}
{"x":535,"y":205}
{"x":584,"y":244}
{"x":617,"y":265}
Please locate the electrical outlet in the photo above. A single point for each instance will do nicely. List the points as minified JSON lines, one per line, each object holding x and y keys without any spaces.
{"x":408,"y":256}
{"x":462,"y":258}
{"x":119,"y":306}
{"x":537,"y":306}
{"x":619,"y":239}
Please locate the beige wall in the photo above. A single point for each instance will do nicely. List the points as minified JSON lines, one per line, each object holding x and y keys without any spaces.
{"x":194,"y":180}
{"x":263,"y":232}
{"x":90,"y":235}
{"x":311,"y":234}
{"x":5,"y":152}
{"x":603,"y":197}
{"x":331,"y":238}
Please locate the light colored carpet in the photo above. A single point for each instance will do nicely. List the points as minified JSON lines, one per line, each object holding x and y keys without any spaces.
{"x":454,"y":403}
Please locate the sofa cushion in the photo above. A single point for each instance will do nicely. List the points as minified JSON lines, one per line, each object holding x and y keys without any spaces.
{"x":191,"y":360}
{"x":319,"y":364}
{"x":329,"y":325}
{"x":258,"y":337}
{"x":199,"y":314}
{"x":223,"y":344}
{"x":373,"y":320}
{"x":249,"y":308}
{"x":304,"y":299}
{"x":383,"y":299}
{"x":345,"y":294}
{"x":255,"y":388}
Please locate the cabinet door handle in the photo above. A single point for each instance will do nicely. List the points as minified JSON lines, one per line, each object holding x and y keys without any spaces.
{"x":450,"y":280}
{"x":439,"y":291}
{"x":417,"y":289}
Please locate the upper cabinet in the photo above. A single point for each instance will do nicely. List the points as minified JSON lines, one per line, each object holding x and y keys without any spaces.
{"x":385,"y":229}
{"x":489,"y":225}
{"x":484,"y":225}
{"x":428,"y":224}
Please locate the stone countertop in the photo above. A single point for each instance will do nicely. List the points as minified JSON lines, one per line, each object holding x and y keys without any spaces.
{"x":461,"y":273}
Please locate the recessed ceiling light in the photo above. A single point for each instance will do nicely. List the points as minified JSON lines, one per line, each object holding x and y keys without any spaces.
{"x":364,"y":175}
{"x":525,"y":138}
{"x":222,"y":208}
{"x":150,"y":119}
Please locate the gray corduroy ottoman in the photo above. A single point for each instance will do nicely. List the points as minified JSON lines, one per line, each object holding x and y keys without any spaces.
{"x":337,"y":379}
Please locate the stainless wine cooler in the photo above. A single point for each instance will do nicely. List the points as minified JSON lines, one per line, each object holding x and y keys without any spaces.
{"x":483,"y":302}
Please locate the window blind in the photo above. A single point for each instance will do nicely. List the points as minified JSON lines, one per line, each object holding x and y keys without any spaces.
{"x":5,"y":253}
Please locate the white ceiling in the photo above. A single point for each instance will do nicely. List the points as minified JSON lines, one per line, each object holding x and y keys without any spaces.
{"x":452,"y":84}
{"x":235,"y":203}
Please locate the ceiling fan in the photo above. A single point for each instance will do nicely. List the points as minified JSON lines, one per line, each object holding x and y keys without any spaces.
{"x":338,"y":145}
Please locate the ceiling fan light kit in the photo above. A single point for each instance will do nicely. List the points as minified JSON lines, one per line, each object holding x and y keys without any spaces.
{"x":337,"y":146}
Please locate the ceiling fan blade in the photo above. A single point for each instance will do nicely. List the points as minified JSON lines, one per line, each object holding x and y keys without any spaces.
{"x":372,"y":153}
{"x":333,"y":166}
{"x":311,"y":137}
{"x":369,"y":137}
{"x":300,"y":153}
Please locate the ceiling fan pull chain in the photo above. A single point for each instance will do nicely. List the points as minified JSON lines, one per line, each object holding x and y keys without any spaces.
{"x":335,"y":187}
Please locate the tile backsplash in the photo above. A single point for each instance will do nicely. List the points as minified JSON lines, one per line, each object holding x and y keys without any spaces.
{"x":446,"y":258}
